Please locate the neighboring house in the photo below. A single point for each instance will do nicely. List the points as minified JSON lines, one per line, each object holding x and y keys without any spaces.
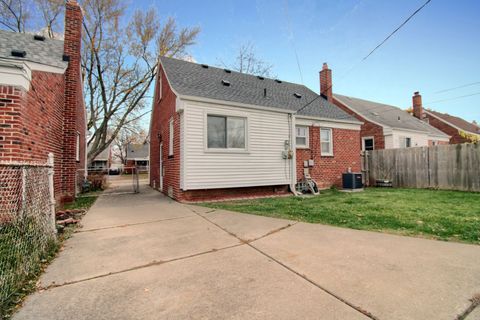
{"x":136,"y":155}
{"x":385,"y":126}
{"x":41,"y":101}
{"x":218,"y":134}
{"x":102,"y":162}
{"x":459,"y":130}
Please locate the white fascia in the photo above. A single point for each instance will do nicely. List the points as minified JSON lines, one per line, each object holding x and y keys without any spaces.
{"x":16,"y":74}
{"x":330,"y":123}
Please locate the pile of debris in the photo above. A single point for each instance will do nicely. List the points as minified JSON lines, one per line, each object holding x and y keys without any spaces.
{"x":68,"y":217}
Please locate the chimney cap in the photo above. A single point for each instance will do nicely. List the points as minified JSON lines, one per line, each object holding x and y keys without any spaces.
{"x":325,"y":66}
{"x":416,"y":93}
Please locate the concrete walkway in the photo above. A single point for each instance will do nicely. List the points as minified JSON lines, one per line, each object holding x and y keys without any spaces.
{"x":144,"y":256}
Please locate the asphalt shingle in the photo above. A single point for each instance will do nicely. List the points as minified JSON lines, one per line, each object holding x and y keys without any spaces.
{"x":387,"y":115}
{"x":48,"y":52}
{"x":193,"y":79}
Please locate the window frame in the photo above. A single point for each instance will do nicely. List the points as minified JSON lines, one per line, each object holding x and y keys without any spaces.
{"x":330,"y":151}
{"x":409,"y":144}
{"x":307,"y":137}
{"x":226,"y":116}
{"x":368,"y":138}
{"x":77,"y":147}
{"x":159,"y":87}
{"x":171,"y":135}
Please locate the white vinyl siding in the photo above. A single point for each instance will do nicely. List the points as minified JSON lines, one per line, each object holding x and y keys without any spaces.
{"x":301,"y":136}
{"x":326,"y":142}
{"x":259,"y":164}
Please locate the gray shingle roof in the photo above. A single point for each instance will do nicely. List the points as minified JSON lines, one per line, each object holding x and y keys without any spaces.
{"x":192,"y":79}
{"x":387,"y":115}
{"x":48,"y":52}
{"x":137,"y":151}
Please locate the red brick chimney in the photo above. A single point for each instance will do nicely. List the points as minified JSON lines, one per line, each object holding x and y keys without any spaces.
{"x":74,"y":111}
{"x":417,"y":105}
{"x":326,"y":82}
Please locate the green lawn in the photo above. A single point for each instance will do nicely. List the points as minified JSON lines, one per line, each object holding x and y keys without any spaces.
{"x":446,"y":215}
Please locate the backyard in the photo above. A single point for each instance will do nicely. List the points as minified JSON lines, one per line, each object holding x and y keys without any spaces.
{"x":438,"y":214}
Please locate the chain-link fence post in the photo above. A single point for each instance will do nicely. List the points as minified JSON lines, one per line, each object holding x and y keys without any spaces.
{"x":51,"y":190}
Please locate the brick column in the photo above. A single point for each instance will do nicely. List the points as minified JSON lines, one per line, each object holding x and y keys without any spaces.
{"x":73,"y":96}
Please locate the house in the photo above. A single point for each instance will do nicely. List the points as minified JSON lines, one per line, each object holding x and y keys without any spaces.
{"x":41,"y":102}
{"x":385,"y":126}
{"x":136,"y":155}
{"x":218,"y":134}
{"x":102,"y":162}
{"x":459,"y":130}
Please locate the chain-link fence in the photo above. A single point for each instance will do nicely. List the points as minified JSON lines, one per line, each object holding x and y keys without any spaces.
{"x":27,"y":223}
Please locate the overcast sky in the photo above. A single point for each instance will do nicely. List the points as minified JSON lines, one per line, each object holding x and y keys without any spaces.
{"x":438,"y":49}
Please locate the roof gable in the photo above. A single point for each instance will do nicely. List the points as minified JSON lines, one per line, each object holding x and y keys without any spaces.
{"x":191,"y":79}
{"x":137,"y":151}
{"x":456,"y":121}
{"x":387,"y":115}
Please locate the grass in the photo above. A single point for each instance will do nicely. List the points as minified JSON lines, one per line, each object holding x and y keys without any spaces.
{"x":438,"y":214}
{"x":83,"y":202}
{"x":20,"y":244}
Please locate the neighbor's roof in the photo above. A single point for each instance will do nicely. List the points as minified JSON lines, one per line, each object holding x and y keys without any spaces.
{"x":137,"y":151}
{"x":387,"y":116}
{"x":48,"y":52}
{"x":456,"y":121}
{"x":191,"y":79}
{"x":102,"y":156}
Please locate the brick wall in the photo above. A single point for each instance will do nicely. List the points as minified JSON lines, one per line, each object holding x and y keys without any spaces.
{"x":455,"y":137}
{"x":31,"y":125}
{"x":327,"y":170}
{"x":74,"y":111}
{"x":368,"y":129}
{"x":163,"y":111}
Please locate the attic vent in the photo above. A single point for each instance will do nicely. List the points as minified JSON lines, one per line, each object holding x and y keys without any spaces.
{"x":205,"y":66}
{"x":260,"y":77}
{"x":19,"y":53}
{"x":278,"y":81}
{"x":226,"y":83}
{"x":39,"y":37}
{"x":297,"y":95}
{"x":227,"y":70}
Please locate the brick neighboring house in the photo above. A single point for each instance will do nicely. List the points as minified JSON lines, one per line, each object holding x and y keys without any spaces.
{"x":136,"y":155}
{"x":41,"y":101}
{"x":384,"y":126}
{"x":219,"y":134}
{"x":459,"y":130}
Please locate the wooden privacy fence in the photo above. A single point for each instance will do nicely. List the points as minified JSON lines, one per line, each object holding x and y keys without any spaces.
{"x":454,"y":167}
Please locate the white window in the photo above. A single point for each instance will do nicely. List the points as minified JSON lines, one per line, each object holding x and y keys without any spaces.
{"x":159,"y":86}
{"x":368,"y":143}
{"x":326,"y":142}
{"x":77,"y":150}
{"x":170,"y":138}
{"x":226,"y":132}
{"x":301,"y":136}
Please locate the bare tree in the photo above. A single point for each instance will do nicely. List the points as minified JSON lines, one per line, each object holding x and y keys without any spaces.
{"x":14,"y":14}
{"x":128,"y":135}
{"x":51,"y":11}
{"x":247,"y":61}
{"x":120,"y":64}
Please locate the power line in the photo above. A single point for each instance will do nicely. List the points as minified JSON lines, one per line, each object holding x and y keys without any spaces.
{"x":371,"y":52}
{"x":455,"y":98}
{"x":394,"y":31}
{"x":459,"y":87}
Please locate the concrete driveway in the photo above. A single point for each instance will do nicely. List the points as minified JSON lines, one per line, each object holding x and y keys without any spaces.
{"x":144,"y":256}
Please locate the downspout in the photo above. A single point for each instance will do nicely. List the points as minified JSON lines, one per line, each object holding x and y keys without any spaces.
{"x":293,"y":161}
